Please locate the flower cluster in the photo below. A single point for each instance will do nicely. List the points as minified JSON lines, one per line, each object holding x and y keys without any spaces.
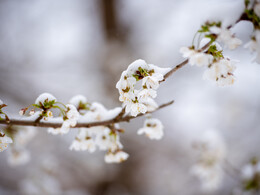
{"x":18,"y":154}
{"x":153,"y":129}
{"x":44,"y":103}
{"x":221,"y":72}
{"x":147,"y":77}
{"x":219,"y":68}
{"x":225,"y":36}
{"x":211,"y":155}
{"x":4,"y":141}
{"x":105,"y":138}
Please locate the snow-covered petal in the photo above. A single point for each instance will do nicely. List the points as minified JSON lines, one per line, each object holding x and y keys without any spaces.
{"x":43,"y":97}
{"x":77,"y":99}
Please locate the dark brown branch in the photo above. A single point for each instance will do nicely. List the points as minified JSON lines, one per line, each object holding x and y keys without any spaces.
{"x":91,"y":124}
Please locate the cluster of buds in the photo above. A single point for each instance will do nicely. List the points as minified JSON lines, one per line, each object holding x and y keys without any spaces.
{"x":44,"y":103}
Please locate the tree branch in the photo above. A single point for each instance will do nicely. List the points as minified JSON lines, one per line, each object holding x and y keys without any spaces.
{"x":120,"y":117}
{"x":80,"y":125}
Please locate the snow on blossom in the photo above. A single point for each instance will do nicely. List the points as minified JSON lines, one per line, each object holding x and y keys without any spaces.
{"x":221,"y":72}
{"x":196,"y":57}
{"x":69,"y":120}
{"x":150,"y":104}
{"x":77,"y":99}
{"x":4,"y":141}
{"x":97,"y":112}
{"x":116,"y":157}
{"x":153,"y":129}
{"x":225,"y":36}
{"x":72,"y":114}
{"x":45,"y":97}
{"x":147,"y":77}
{"x":212,"y":151}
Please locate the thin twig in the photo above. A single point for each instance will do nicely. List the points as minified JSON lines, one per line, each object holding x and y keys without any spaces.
{"x":179,"y":66}
{"x":87,"y":125}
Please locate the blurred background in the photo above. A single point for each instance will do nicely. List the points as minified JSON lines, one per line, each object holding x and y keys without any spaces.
{"x":67,"y":47}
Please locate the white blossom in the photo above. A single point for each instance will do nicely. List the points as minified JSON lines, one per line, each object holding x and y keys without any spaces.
{"x":209,"y":176}
{"x":69,"y":120}
{"x":187,"y":52}
{"x":75,"y":100}
{"x":4,"y":141}
{"x":49,"y":115}
{"x":1,"y":102}
{"x":45,"y":97}
{"x":139,"y":73}
{"x":116,"y":157}
{"x":226,"y":36}
{"x":150,"y":104}
{"x":21,"y":112}
{"x":152,"y":82}
{"x":221,"y":72}
{"x":83,"y":144}
{"x":153,"y":129}
{"x":108,"y":141}
{"x":18,"y":155}
{"x":195,"y":57}
{"x":254,"y":46}
{"x":212,"y":151}
{"x":24,"y":135}
{"x":136,"y":108}
{"x":144,"y":94}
